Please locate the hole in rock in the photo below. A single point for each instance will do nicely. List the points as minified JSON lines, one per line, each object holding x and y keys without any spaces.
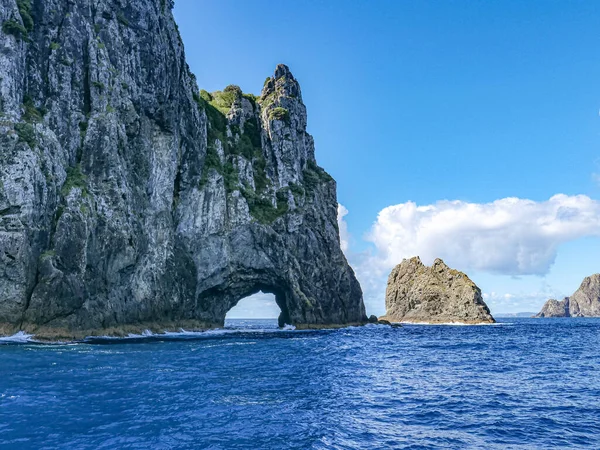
{"x":257,"y":311}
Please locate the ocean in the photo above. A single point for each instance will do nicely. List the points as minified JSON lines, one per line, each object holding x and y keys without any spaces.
{"x":519,"y":384}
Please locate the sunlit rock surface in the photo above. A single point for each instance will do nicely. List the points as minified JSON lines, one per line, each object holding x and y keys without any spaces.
{"x":436,"y":294}
{"x":130,"y":200}
{"x":585,"y":302}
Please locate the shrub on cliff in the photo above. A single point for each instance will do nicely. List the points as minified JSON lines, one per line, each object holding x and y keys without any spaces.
{"x":279,"y":113}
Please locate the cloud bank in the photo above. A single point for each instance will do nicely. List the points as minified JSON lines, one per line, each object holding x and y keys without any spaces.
{"x":507,"y":237}
{"x":343,"y":226}
{"x":510,"y":236}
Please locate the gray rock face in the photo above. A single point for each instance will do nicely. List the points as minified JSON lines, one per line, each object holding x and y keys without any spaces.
{"x":436,"y":294}
{"x":585,"y":302}
{"x":555,"y":308}
{"x":129,"y":200}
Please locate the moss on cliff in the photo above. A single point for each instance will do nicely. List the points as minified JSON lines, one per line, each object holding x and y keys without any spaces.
{"x":223,"y":100}
{"x":297,"y":191}
{"x":26,"y":134}
{"x":244,"y":141}
{"x":30,"y":112}
{"x":279,"y":113}
{"x":75,"y":179}
{"x":262,"y":209}
{"x":14,"y":27}
{"x":314,"y":176}
{"x":230,"y":176}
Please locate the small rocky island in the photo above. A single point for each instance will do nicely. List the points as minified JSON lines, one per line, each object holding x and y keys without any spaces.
{"x":436,"y":294}
{"x":585,"y":302}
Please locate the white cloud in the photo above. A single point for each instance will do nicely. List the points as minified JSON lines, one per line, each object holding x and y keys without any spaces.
{"x":510,"y":236}
{"x":503,"y":238}
{"x":372,"y":277}
{"x":344,"y":236}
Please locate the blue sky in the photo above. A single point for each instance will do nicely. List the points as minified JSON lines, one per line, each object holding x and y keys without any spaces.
{"x":416,"y":101}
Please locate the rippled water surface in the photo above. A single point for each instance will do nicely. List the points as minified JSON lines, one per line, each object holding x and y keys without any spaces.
{"x":523,"y":384}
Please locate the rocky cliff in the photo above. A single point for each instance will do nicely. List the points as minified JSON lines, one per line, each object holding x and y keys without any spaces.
{"x":585,"y":302}
{"x":130,"y":200}
{"x":437,"y":294}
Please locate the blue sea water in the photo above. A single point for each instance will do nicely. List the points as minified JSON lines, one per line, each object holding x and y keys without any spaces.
{"x":526,"y":384}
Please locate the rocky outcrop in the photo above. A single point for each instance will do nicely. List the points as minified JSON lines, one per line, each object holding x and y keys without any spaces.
{"x":555,"y":308}
{"x":437,"y":294}
{"x":585,"y":302}
{"x":130,"y":200}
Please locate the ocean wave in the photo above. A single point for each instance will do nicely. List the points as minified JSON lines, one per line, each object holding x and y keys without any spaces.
{"x":20,"y":338}
{"x":185,"y":334}
{"x":148,"y":335}
{"x":355,"y":387}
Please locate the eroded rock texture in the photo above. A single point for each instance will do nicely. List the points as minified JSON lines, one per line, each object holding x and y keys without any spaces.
{"x":128,"y":199}
{"x":436,"y":294}
{"x":585,"y":302}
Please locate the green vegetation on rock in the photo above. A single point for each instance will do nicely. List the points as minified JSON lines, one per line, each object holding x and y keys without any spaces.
{"x":212,"y":161}
{"x":217,"y":122}
{"x":230,"y":176}
{"x":262,"y":209}
{"x":26,"y":134}
{"x":279,"y":113}
{"x":31,"y":115}
{"x":25,"y":12}
{"x":244,"y":147}
{"x":216,"y":129}
{"x":259,"y":165}
{"x":223,"y":100}
{"x":75,"y":179}
{"x":246,"y":142}
{"x":30,"y":112}
{"x":297,"y":191}
{"x":13,"y":27}
{"x":314,"y":176}
{"x":205,"y":95}
{"x":122,"y":19}
{"x":251,"y":97}
{"x":252,"y":130}
{"x":268,"y":100}
{"x":47,"y":254}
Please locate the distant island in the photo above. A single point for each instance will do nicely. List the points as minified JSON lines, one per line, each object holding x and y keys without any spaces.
{"x":585,"y":302}
{"x":515,"y":315}
{"x":436,"y":294}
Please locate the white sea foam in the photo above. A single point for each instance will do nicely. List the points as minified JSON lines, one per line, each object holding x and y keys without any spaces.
{"x":456,"y":324}
{"x":199,"y":334}
{"x":143,"y":334}
{"x":20,"y":338}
